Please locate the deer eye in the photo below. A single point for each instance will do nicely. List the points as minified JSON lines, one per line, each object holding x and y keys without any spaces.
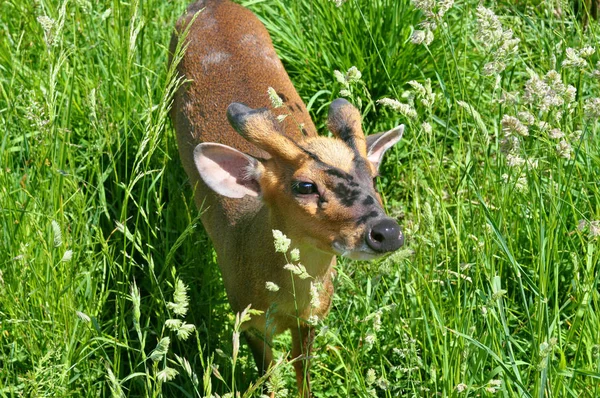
{"x":304,"y":188}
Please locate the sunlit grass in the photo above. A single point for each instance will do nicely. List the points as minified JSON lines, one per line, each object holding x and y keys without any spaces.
{"x":496,"y":291}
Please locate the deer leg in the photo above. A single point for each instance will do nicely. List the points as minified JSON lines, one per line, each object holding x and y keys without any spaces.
{"x":262,"y":353}
{"x":302,"y":339}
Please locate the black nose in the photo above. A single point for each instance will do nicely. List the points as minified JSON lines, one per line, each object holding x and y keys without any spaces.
{"x":385,"y":236}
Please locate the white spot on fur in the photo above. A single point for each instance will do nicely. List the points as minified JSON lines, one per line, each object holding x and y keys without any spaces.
{"x":261,"y":50}
{"x":214,"y":58}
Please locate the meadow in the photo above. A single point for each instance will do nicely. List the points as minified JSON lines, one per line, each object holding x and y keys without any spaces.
{"x":109,"y":286}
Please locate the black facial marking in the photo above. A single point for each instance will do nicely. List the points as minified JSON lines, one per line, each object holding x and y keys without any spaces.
{"x":282,"y":96}
{"x":345,"y":194}
{"x":366,"y":217}
{"x":368,"y":201}
{"x":347,"y":134}
{"x":311,"y":155}
{"x":298,"y":106}
{"x":339,"y":174}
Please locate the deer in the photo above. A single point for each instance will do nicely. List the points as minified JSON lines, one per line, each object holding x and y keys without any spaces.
{"x":253,"y":171}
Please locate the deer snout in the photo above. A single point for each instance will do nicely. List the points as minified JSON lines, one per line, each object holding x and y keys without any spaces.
{"x":385,"y":236}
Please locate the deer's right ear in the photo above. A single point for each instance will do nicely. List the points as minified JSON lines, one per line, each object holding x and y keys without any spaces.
{"x":228,"y":171}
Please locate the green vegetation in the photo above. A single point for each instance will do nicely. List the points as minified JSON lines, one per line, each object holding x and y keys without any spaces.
{"x":495,"y":183}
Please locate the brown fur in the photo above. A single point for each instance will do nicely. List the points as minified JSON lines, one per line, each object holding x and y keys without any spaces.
{"x":230,"y":58}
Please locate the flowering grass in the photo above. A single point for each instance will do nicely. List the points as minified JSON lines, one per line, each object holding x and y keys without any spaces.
{"x":109,"y":286}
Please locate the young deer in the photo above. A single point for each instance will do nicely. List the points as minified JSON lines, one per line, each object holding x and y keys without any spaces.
{"x":253,"y":174}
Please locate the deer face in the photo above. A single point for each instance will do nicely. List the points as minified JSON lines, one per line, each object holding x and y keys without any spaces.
{"x":320,"y":191}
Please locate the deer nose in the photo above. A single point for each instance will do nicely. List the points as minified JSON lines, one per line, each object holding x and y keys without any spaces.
{"x":385,"y":236}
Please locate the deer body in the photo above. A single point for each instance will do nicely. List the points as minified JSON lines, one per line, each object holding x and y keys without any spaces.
{"x":253,"y":174}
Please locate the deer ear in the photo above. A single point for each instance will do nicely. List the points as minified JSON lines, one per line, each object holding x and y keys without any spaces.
{"x":378,"y":144}
{"x":228,"y":171}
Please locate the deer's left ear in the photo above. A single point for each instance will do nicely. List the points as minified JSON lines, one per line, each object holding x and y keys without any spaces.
{"x":378,"y":144}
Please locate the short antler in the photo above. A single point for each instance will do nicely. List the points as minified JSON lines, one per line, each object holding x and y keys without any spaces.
{"x":260,"y":128}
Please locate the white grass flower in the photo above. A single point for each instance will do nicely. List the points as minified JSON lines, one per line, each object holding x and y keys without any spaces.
{"x":281,"y":118}
{"x":338,"y":3}
{"x":185,"y":331}
{"x":573,"y":59}
{"x":570,"y":94}
{"x":511,"y":124}
{"x":545,"y":93}
{"x":339,"y":76}
{"x":382,"y":383}
{"x":106,"y":14}
{"x":591,"y":108}
{"x":493,"y":386}
{"x":275,"y":99}
{"x":82,"y":316}
{"x":426,"y":127}
{"x":426,"y":6}
{"x":161,"y":349}
{"x":282,"y":243}
{"x":315,"y":298}
{"x":424,"y":92}
{"x":295,"y":255}
{"x":297,"y":269}
{"x":167,"y":374}
{"x":371,"y":376}
{"x":521,"y":184}
{"x":49,"y":26}
{"x":460,"y":387}
{"x":57,"y":233}
{"x":313,"y":320}
{"x":418,"y":87}
{"x":370,"y":340}
{"x":353,"y":75}
{"x":443,"y":7}
{"x":543,"y":126}
{"x":67,"y":256}
{"x":422,"y":37}
{"x":180,"y":299}
{"x":173,"y":324}
{"x":526,"y":117}
{"x":587,"y":51}
{"x":493,"y":68}
{"x":556,"y":133}
{"x":564,"y":149}
{"x":399,"y":107}
{"x":345,"y":93}
{"x":377,"y":321}
{"x":489,"y":27}
{"x":271,"y":286}
{"x":509,"y":47}
{"x":134,"y":294}
{"x":514,"y":160}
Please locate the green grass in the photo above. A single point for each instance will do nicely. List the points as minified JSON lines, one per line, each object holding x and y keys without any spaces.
{"x":497,"y":282}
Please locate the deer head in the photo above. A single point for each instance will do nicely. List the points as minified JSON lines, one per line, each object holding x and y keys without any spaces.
{"x":320,"y":190}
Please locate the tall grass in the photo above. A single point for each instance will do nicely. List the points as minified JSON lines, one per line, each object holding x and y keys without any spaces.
{"x":495,"y":293}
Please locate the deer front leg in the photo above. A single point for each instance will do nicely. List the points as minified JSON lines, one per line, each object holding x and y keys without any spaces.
{"x":302,"y":339}
{"x":262,"y":353}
